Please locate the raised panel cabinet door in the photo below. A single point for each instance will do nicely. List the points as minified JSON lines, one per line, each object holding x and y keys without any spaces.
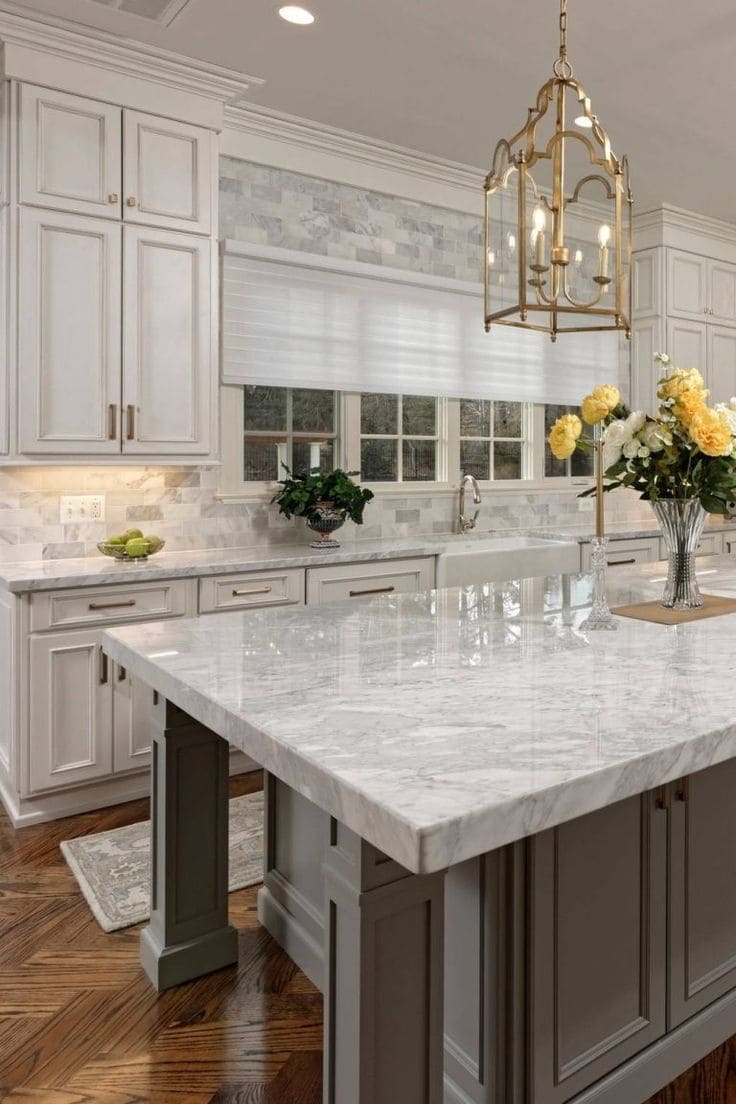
{"x":69,"y":334}
{"x":687,"y":285}
{"x":598,"y":943}
{"x":4,"y":339}
{"x":132,"y":721}
{"x":687,"y":344}
{"x":702,"y":891}
{"x":646,"y":340}
{"x":647,"y":291}
{"x":70,"y":153}
{"x":721,"y":375}
{"x":722,"y":292}
{"x":70,"y":713}
{"x":167,"y":173}
{"x":167,"y":354}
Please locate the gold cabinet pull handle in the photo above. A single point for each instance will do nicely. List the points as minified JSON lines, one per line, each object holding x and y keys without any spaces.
{"x":620,"y":563}
{"x":111,"y":605}
{"x":103,"y":668}
{"x":683,"y":790}
{"x":112,"y":429}
{"x":664,"y":798}
{"x":131,"y":201}
{"x":121,"y":674}
{"x":253,"y":590}
{"x":373,"y":590}
{"x":130,"y":411}
{"x":113,"y":197}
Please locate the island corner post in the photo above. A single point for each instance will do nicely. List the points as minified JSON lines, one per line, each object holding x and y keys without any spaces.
{"x":383,"y":948}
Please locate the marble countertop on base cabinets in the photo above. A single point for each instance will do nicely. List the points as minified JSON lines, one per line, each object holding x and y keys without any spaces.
{"x":621,"y":530}
{"x":442,"y":725}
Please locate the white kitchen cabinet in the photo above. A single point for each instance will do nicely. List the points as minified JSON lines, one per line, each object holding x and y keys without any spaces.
{"x":252,"y":590}
{"x":721,"y":368}
{"x":70,"y":152}
{"x":624,"y":553}
{"x":167,"y":173}
{"x":368,"y":580}
{"x":132,"y":721}
{"x":167,"y":363}
{"x":4,"y":319}
{"x":687,"y":285}
{"x":69,"y":355}
{"x":71,"y":719}
{"x":687,"y":344}
{"x":722,"y":292}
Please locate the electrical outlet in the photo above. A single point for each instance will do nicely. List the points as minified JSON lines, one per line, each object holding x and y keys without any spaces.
{"x":81,"y":508}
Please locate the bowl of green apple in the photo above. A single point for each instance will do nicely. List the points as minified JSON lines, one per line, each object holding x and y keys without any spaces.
{"x":131,"y":546}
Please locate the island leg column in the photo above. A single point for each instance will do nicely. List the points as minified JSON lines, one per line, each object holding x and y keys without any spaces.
{"x":384,"y":1015}
{"x":189,"y":934}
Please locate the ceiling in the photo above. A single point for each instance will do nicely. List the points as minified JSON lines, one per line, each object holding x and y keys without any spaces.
{"x":450,"y":77}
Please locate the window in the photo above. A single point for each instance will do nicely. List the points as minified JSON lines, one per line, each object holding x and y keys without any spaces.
{"x":296,"y":427}
{"x":580,"y":464}
{"x":398,"y":438}
{"x":492,"y":439}
{"x":389,"y":439}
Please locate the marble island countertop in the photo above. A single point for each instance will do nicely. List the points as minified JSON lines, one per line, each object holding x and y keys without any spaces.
{"x":445,"y":724}
{"x":621,"y":530}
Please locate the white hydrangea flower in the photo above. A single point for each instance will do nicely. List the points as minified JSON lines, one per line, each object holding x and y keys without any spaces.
{"x":729,"y":413}
{"x":643,"y":452}
{"x":636,"y":420}
{"x":651,"y":436}
{"x":663,"y":359}
{"x":631,"y":449}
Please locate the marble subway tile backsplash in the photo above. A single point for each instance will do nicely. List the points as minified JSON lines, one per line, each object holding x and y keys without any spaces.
{"x":182,"y":507}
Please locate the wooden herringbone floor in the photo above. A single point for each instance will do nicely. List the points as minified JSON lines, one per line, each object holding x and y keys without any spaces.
{"x":79,"y":1024}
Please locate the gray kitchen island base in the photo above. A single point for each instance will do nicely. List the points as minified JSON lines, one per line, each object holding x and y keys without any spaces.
{"x":562,"y":979}
{"x":189,"y":934}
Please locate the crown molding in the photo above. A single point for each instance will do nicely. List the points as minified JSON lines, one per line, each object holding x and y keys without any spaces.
{"x":668,"y":221}
{"x":62,"y":38}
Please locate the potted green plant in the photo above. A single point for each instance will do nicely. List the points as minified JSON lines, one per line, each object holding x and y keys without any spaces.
{"x":324,"y":500}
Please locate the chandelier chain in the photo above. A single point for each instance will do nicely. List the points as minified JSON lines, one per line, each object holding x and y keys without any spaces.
{"x":563,"y":29}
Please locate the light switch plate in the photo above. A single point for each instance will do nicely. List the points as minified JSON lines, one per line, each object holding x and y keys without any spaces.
{"x":81,"y":508}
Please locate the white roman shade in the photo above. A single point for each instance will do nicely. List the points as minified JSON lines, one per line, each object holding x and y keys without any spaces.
{"x":298,"y":320}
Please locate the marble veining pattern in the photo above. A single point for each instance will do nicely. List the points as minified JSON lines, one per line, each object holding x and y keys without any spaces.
{"x":445,"y":724}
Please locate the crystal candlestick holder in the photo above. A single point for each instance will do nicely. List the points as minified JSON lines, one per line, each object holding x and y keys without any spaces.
{"x":600,"y":616}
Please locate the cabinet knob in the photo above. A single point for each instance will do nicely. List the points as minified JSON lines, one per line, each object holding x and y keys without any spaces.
{"x":131,"y":201}
{"x":113,"y":197}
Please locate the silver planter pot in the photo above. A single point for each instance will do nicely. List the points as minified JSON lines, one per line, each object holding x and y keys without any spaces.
{"x":326,"y":520}
{"x":682,"y":521}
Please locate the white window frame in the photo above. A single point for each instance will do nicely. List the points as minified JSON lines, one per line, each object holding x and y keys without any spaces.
{"x":347,"y":453}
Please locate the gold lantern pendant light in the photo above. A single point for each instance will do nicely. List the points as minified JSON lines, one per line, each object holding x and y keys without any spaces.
{"x":557,"y":252}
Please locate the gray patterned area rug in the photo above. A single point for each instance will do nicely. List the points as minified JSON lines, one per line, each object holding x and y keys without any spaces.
{"x":113,"y":868}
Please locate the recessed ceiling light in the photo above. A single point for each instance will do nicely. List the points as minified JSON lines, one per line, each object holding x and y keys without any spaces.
{"x":292,"y":13}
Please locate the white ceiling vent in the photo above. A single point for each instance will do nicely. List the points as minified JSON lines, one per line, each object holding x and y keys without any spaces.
{"x":163,"y":12}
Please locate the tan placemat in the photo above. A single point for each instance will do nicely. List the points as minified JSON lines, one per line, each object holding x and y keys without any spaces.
{"x":713,"y":606}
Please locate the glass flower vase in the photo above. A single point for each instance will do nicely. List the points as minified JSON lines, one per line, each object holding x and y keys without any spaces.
{"x":682,"y":521}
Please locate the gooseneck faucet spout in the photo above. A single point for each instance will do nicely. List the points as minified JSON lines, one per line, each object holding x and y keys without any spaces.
{"x":465,"y":524}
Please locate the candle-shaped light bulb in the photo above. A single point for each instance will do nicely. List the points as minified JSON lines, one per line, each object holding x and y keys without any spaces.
{"x":578,"y":256}
{"x":604,"y":236}
{"x":539,"y":222}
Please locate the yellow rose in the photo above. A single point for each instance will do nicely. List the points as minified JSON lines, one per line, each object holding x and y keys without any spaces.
{"x":689,"y":404}
{"x":711,"y":433}
{"x":682,"y":379}
{"x":563,"y":437}
{"x":601,"y":402}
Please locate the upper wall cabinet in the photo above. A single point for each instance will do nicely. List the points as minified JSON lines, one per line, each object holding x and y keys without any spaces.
{"x":69,"y":333}
{"x":70,"y":153}
{"x":698,"y":288}
{"x":167,"y":173}
{"x":92,"y":158}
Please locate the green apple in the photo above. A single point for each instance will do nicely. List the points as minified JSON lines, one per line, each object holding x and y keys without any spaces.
{"x":136,"y":547}
{"x":132,"y":534}
{"x":154,"y":543}
{"x":115,"y":540}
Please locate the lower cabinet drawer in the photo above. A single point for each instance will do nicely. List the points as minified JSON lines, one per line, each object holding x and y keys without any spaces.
{"x":66,"y":609}
{"x":711,"y":544}
{"x":330,"y":584}
{"x":273,"y":588}
{"x":624,"y":553}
